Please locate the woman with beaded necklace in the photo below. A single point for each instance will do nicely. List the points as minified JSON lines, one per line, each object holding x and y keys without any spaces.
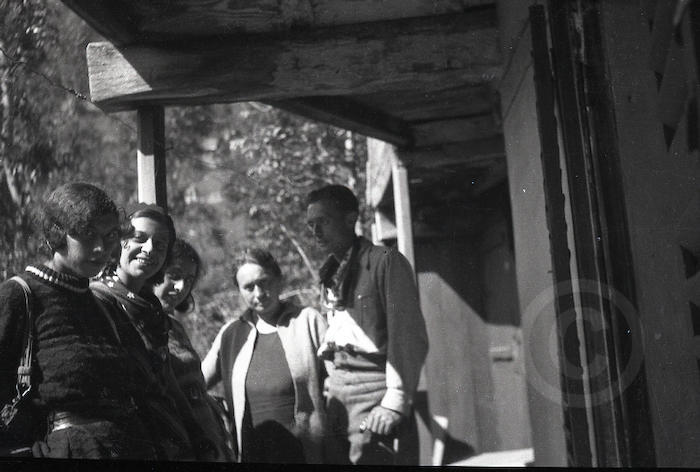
{"x":146,"y":245}
{"x":81,"y":388}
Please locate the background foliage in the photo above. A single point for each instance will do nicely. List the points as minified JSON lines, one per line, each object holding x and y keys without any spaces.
{"x":237,"y":173}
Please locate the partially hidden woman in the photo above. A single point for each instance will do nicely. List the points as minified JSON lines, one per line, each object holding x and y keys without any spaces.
{"x":271,"y":376}
{"x":81,"y":387}
{"x":175,"y":294}
{"x":146,"y":242}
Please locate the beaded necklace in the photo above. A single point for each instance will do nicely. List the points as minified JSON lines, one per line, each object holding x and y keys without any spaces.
{"x":66,"y":281}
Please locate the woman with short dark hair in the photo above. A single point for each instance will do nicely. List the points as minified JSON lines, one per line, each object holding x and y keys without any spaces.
{"x":267,"y":361}
{"x":80,"y":383}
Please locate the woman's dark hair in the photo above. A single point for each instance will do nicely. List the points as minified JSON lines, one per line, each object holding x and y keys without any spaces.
{"x":183,"y":251}
{"x":340,"y":196}
{"x":70,"y":209}
{"x":259,"y":256}
{"x":156,"y":213}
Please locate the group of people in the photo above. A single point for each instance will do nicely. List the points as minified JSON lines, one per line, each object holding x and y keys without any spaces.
{"x":114,"y":374}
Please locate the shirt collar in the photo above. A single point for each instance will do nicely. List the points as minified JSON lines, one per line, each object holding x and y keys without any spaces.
{"x":342,"y":269}
{"x":264,"y":327}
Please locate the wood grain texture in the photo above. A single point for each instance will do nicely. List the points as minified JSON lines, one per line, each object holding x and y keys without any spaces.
{"x":428,"y":54}
{"x":223,"y":17}
{"x":106,"y":18}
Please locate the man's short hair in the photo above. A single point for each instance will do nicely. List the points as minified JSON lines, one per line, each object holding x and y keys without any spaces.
{"x":339,"y":196}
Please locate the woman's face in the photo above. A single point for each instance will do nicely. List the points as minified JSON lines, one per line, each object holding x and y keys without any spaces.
{"x":177,"y":283}
{"x":143,"y":254}
{"x":86,"y":254}
{"x":260,"y":289}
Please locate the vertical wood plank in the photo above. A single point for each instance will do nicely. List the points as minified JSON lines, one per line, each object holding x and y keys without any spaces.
{"x":402,"y":208}
{"x":384,"y":227}
{"x":151,"y":170}
{"x":576,"y":422}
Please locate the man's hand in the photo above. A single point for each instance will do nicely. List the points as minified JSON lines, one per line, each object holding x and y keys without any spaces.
{"x":381,"y":420}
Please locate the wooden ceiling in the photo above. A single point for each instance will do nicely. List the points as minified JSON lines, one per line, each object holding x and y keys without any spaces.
{"x":415,"y":73}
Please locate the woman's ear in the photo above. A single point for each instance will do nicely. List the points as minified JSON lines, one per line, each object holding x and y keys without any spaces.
{"x":56,"y":238}
{"x":350,"y":219}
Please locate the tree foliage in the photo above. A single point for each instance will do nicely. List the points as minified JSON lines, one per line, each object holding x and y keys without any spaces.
{"x":238,"y":173}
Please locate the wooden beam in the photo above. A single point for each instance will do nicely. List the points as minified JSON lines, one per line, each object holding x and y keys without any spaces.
{"x":189,"y":17}
{"x":349,"y":114}
{"x":426,"y":105}
{"x":421,"y":54}
{"x":434,"y":133}
{"x":107,"y":18}
{"x":151,"y":156}
{"x":477,"y":153}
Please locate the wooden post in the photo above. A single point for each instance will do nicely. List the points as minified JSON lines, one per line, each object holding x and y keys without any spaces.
{"x":151,"y":156}
{"x":402,"y":209}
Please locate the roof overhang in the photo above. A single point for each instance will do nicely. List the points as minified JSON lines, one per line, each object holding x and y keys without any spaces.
{"x":414,"y":73}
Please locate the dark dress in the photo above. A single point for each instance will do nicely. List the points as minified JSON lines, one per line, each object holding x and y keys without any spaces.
{"x":188,"y":373}
{"x":143,"y":327}
{"x":269,"y":419}
{"x":80,"y":371}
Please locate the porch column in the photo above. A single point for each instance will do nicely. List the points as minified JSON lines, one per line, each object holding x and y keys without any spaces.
{"x":151,"y":156}
{"x":402,"y":208}
{"x":385,"y":166}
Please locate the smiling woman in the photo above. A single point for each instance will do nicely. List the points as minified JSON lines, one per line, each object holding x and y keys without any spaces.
{"x":174,"y":292}
{"x":146,"y":246}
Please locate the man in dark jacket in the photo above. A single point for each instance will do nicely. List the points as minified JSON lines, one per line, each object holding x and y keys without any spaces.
{"x":376,"y":342}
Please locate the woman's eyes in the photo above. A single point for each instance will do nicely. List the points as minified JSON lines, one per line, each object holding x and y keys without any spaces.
{"x":159,"y":245}
{"x":114,"y":234}
{"x":179,"y":276}
{"x":139,"y":238}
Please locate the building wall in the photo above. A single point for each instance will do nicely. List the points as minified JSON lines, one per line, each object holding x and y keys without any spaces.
{"x":502,"y":406}
{"x":475,"y":370}
{"x":660,"y":184}
{"x":448,"y":279}
{"x":531,"y":237}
